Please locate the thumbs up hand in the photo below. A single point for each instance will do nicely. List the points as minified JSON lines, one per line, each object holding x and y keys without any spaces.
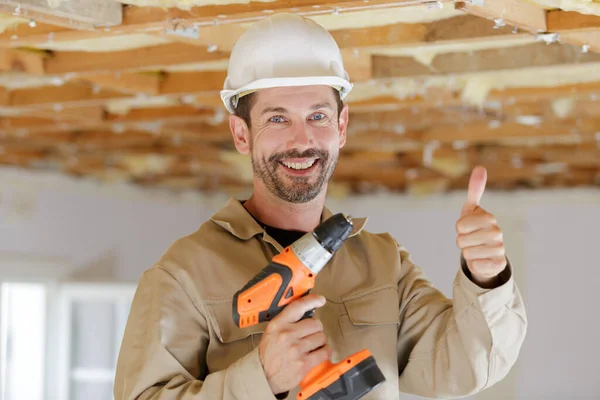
{"x":479,"y":237}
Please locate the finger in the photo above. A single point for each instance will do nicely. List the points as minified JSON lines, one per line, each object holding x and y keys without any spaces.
{"x":316,"y":357}
{"x":306,"y":327}
{"x":488,"y":268}
{"x":296,"y":309}
{"x":483,"y":252}
{"x":475,"y":189}
{"x":474,"y":222}
{"x":490,"y":235}
{"x":312,"y":342}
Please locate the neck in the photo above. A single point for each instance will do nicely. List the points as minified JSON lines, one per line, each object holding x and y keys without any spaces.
{"x":269,"y":209}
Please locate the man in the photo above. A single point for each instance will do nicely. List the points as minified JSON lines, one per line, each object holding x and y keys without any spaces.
{"x":285,"y":88}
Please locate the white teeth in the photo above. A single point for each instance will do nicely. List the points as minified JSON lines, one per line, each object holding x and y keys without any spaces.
{"x":303,"y":165}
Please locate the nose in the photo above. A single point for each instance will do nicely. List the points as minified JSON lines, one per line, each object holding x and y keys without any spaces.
{"x":301,"y":137}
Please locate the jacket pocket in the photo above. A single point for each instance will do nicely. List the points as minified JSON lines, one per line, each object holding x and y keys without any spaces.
{"x":366,"y":311}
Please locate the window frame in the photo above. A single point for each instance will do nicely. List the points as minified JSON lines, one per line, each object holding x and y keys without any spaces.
{"x":70,"y":292}
{"x":21,"y":268}
{"x":60,"y":295}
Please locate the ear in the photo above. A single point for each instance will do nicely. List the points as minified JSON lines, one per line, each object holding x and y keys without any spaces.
{"x":241,"y":134}
{"x":343,"y":125}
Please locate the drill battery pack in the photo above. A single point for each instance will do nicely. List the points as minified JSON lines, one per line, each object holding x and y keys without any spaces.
{"x":350,"y":379}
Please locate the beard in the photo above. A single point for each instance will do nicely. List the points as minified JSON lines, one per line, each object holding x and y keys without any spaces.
{"x":294,"y":189}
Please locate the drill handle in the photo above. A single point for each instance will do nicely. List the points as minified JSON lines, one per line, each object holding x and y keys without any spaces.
{"x":260,"y":299}
{"x":269,"y":292}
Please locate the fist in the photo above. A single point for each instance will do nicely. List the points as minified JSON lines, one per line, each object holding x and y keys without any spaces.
{"x":292,"y":346}
{"x":478,"y":235}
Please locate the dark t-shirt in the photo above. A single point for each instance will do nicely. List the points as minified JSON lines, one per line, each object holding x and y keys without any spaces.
{"x":282,"y":236}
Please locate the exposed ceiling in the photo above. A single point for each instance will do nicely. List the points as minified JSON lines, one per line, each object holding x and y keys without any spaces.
{"x":438,"y":87}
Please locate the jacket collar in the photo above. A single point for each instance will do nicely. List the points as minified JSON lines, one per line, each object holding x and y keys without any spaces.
{"x":234,"y":218}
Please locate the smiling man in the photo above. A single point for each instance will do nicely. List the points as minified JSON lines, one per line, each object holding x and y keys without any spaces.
{"x":293,"y":135}
{"x":285,"y":89}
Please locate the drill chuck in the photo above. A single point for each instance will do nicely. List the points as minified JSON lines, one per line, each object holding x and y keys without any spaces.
{"x":332,"y":233}
{"x":316,"y":248}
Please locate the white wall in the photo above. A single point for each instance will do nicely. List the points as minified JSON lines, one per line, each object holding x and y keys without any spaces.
{"x":114,"y":233}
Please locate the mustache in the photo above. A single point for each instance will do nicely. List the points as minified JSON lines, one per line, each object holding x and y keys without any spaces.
{"x":294,"y":153}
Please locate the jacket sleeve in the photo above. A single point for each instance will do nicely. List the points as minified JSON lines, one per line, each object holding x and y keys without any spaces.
{"x":460,"y":346}
{"x":163,"y":351}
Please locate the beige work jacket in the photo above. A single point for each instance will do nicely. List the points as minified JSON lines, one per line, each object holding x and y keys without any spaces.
{"x":181,"y":342}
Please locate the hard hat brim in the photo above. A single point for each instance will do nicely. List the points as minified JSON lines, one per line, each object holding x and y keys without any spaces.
{"x":343,"y":85}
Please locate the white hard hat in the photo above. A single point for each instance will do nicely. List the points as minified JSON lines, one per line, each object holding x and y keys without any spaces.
{"x":283,"y":50}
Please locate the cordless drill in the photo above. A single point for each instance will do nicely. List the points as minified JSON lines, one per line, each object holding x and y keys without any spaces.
{"x":290,"y":275}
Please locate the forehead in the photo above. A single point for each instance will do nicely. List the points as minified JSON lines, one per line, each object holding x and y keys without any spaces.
{"x":296,"y":97}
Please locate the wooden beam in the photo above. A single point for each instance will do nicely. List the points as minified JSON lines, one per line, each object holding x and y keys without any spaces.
{"x":216,"y":36}
{"x":197,"y":131}
{"x":193,"y":82}
{"x":15,"y":123}
{"x":135,"y":17}
{"x":72,"y":14}
{"x":447,"y":32}
{"x":144,"y":58}
{"x":108,"y":140}
{"x":354,"y":170}
{"x":403,"y":121}
{"x":21,"y":158}
{"x":135,"y":83}
{"x":467,"y":28}
{"x":536,"y":94}
{"x":358,"y":65}
{"x":526,"y":56}
{"x":29,"y":61}
{"x":152,"y":119}
{"x":79,"y":114}
{"x":552,"y":109}
{"x":55,"y":95}
{"x":27,"y":29}
{"x":161,"y":114}
{"x":568,"y":131}
{"x":561,"y":21}
{"x":381,"y":35}
{"x":154,"y":20}
{"x":587,"y":41}
{"x":523,"y":14}
{"x":375,"y":140}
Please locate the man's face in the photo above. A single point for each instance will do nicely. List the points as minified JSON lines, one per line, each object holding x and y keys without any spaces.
{"x":294,"y":140}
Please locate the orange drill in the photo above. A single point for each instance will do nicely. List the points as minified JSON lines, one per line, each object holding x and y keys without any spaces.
{"x":290,"y":275}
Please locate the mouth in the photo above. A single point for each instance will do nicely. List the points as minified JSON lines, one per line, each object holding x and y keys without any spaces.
{"x":300,"y":166}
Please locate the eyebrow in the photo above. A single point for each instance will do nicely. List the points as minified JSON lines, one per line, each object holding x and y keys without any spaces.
{"x":321,"y":105}
{"x":273,"y":110}
{"x":284,"y":110}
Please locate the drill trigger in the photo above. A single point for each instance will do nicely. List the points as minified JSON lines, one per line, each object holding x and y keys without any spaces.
{"x":308,"y":314}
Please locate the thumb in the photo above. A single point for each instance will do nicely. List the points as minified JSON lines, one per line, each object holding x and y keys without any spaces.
{"x":476,"y":188}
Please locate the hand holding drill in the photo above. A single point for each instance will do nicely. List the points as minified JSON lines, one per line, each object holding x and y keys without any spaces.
{"x":291,"y":347}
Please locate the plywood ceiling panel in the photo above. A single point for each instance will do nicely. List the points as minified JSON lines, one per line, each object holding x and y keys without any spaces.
{"x":439,"y":88}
